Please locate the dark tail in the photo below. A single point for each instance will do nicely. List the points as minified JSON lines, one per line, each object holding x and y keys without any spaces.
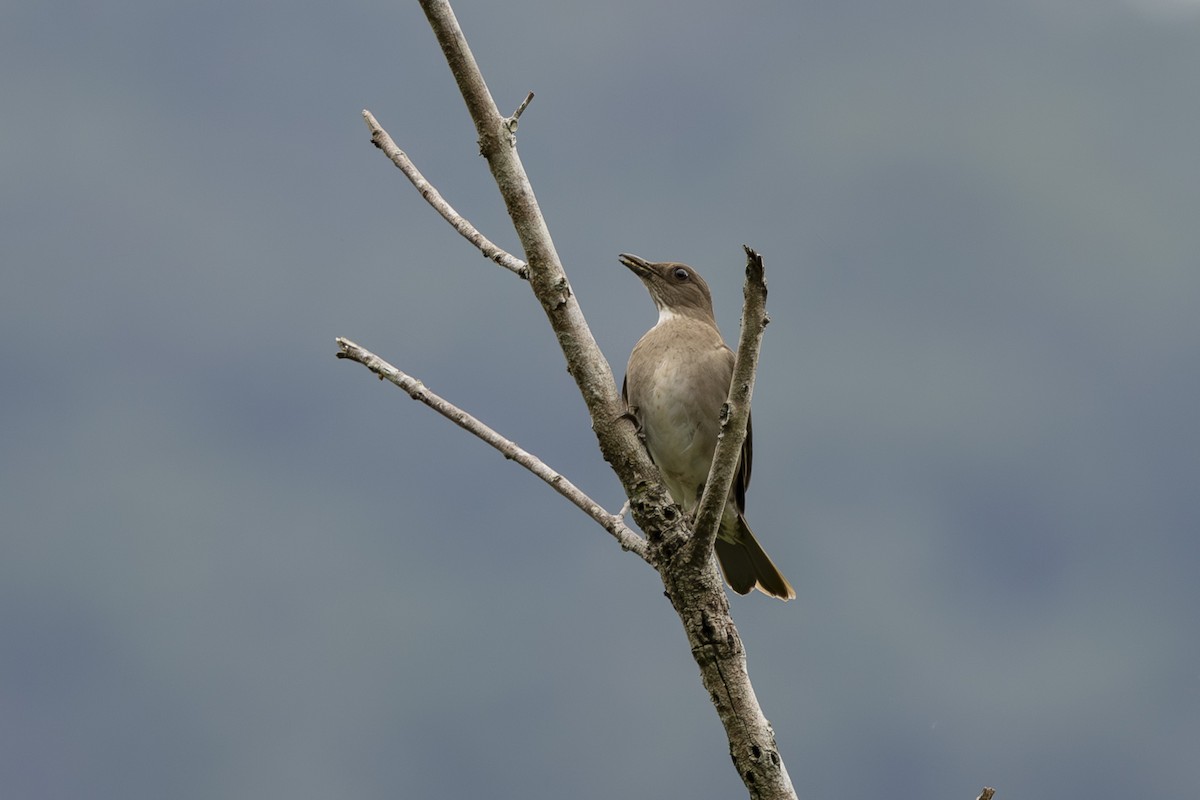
{"x":746,"y":565}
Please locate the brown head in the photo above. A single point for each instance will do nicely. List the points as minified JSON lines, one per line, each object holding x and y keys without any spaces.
{"x":676,"y":288}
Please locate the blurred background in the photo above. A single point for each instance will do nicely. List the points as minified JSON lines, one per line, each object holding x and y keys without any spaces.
{"x":233,"y":566}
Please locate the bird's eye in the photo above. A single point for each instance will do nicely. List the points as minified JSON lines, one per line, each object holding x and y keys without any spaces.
{"x":680,"y":274}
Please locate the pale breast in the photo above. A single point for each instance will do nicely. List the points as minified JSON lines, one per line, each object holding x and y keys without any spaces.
{"x":677,"y":381}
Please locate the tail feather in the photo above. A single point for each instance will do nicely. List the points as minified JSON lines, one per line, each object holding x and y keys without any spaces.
{"x":746,"y":565}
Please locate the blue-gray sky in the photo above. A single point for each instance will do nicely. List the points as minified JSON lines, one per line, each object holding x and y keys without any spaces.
{"x":233,"y":566}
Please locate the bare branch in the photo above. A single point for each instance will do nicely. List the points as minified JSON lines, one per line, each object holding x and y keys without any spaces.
{"x":697,"y":593}
{"x":986,"y":794}
{"x":381,"y":139}
{"x":613,"y":523}
{"x":736,"y":412}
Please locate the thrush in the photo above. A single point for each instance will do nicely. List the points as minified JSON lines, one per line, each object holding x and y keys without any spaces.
{"x":675,"y":385}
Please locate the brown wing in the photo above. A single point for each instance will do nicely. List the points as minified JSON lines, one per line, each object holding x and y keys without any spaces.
{"x":741,"y":481}
{"x":631,"y":413}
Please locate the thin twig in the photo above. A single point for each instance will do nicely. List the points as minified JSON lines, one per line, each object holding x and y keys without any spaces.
{"x":524,"y":105}
{"x":381,"y":139}
{"x":512,"y":121}
{"x":736,"y":413}
{"x":613,"y":523}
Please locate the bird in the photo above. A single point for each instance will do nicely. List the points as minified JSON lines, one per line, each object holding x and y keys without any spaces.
{"x":676,"y":382}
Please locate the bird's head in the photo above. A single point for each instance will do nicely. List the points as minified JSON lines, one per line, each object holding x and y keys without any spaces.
{"x":676,"y":288}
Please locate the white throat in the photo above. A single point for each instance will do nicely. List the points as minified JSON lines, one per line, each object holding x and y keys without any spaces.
{"x":665,"y":315}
